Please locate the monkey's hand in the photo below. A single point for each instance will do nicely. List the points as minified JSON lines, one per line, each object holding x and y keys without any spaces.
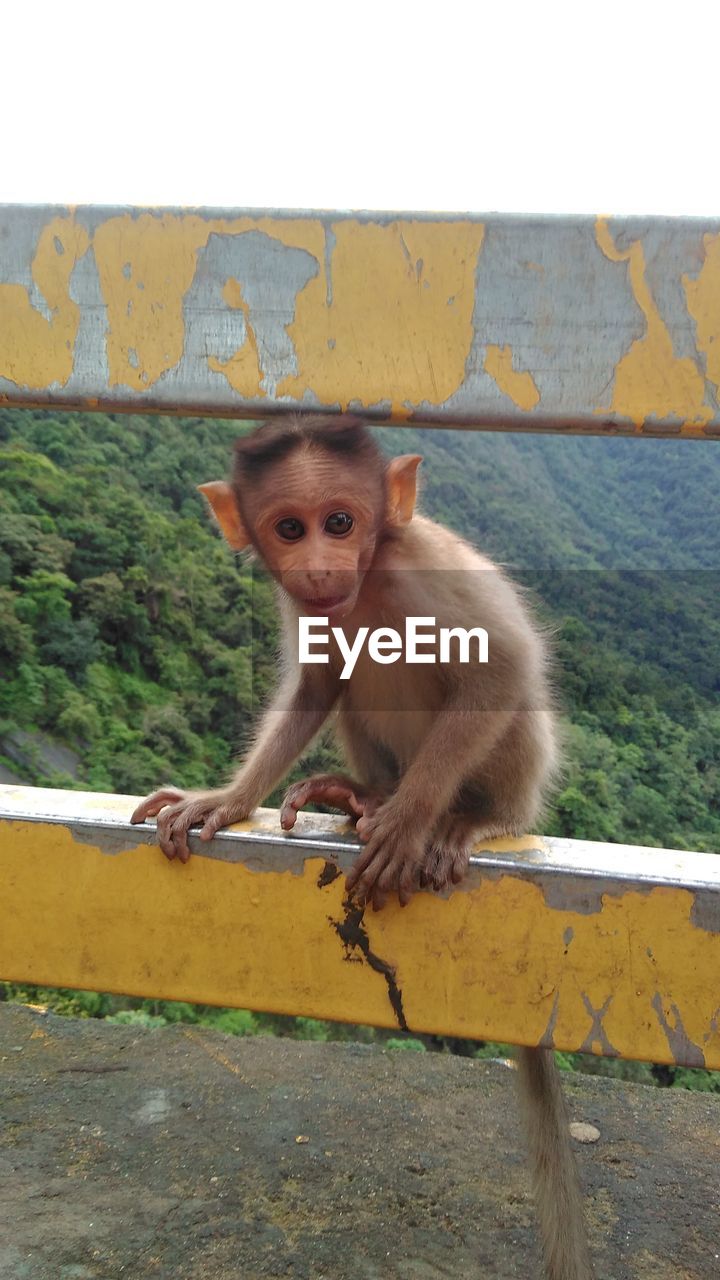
{"x":332,"y":789}
{"x":447,"y":856}
{"x":177,"y":811}
{"x":391,"y":860}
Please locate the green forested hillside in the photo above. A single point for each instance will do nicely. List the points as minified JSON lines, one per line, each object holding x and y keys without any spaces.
{"x":129,"y":634}
{"x":578,"y":503}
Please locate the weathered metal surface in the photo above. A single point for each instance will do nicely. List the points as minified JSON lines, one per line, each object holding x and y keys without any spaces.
{"x":607,"y":949}
{"x":598,"y":325}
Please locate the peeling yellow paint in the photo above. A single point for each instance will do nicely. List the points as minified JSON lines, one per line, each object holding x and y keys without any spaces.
{"x":385,"y":318}
{"x":519,"y":386}
{"x":146,"y":265}
{"x":650,"y":380}
{"x":494,"y":961}
{"x":242,"y":370}
{"x":703,"y":300}
{"x":35,"y":351}
{"x":386,"y":332}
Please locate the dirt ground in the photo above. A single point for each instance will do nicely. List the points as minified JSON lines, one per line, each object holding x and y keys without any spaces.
{"x":188,"y":1154}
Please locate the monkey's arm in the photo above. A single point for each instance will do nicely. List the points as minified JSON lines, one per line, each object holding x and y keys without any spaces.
{"x":455,"y":748}
{"x":298,"y":711}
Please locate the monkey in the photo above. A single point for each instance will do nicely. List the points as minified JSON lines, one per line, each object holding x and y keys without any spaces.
{"x":441,"y":755}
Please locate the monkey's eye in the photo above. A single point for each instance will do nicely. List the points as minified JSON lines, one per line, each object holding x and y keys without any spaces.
{"x":289,"y":529}
{"x":339,"y":523}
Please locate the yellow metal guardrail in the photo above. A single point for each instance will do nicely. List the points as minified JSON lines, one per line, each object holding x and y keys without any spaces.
{"x":601,"y":948}
{"x":585,"y":324}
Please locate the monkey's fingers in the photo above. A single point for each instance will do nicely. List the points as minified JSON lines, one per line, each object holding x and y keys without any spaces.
{"x":151,"y":805}
{"x":174,"y":825}
{"x":384,"y":877}
{"x":370,"y":805}
{"x":322,"y":790}
{"x":443,"y":866}
{"x":357,"y":880}
{"x":408,"y":882}
{"x":364,"y":825}
{"x":401,"y":874}
{"x":375,"y":875}
{"x":221,"y":816}
{"x":461,"y":862}
{"x":166,"y":834}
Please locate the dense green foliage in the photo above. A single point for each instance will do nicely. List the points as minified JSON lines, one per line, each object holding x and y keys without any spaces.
{"x":126,"y":629}
{"x":128,"y":632}
{"x":130,"y":635}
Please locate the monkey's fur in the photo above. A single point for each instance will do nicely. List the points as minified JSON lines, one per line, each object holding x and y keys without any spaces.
{"x":442,"y":755}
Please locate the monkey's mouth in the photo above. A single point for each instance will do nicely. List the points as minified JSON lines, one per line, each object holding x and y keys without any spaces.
{"x":323,"y":606}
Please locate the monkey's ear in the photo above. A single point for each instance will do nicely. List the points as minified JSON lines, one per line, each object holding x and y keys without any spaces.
{"x":224,"y":508}
{"x":401,"y":476}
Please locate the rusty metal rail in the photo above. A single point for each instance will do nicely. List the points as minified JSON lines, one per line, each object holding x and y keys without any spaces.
{"x":600,"y":325}
{"x":607,"y":949}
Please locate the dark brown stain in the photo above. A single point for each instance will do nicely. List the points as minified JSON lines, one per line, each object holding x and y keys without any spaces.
{"x":330,"y":872}
{"x":353,"y":935}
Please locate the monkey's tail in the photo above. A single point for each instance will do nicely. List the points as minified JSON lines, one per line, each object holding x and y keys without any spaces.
{"x":556,"y":1183}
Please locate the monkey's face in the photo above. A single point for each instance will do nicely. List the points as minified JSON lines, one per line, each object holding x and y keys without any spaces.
{"x":315,"y":521}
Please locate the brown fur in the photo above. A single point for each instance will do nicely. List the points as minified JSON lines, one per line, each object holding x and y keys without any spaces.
{"x":443,"y":755}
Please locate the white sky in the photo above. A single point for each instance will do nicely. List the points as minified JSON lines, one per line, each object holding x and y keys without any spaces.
{"x":571,"y":106}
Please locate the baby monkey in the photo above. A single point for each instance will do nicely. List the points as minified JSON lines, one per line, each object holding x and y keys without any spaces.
{"x":440,"y":754}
